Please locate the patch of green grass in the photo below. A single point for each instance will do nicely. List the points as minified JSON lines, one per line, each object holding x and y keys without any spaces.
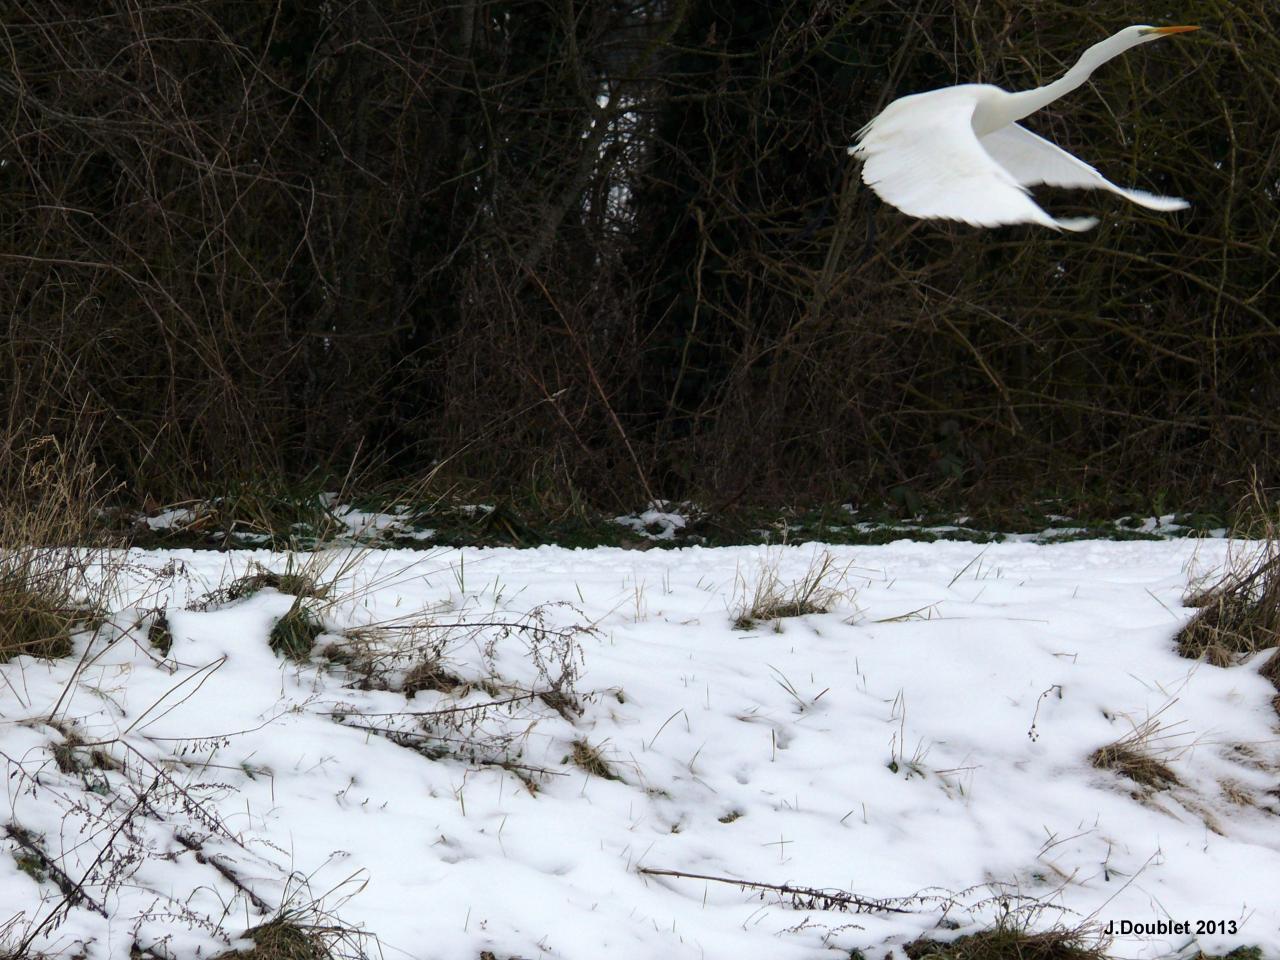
{"x":31,"y":865}
{"x":507,"y":524}
{"x":28,"y":854}
{"x":158,"y":633}
{"x":282,"y":940}
{"x":299,"y":514}
{"x":253,"y":512}
{"x":295,"y":633}
{"x":1096,"y":533}
{"x":1201,"y":523}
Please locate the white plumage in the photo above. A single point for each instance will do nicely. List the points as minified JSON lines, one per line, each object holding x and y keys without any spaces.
{"x":958,"y":154}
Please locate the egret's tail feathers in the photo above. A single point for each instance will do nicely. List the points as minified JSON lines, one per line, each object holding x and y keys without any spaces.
{"x":858,"y":147}
{"x":1076,"y":223}
{"x":1154,"y":201}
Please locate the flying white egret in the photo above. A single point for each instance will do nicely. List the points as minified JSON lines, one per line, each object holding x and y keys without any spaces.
{"x":958,"y":154}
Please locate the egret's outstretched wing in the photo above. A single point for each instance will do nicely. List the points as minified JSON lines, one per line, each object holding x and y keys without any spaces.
{"x":1031,"y":160}
{"x":922,"y":155}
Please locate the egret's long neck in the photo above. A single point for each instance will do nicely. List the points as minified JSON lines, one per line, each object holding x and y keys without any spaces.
{"x":1018,"y":105}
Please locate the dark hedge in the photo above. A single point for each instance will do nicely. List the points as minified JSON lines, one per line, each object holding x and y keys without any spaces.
{"x":602,"y":251}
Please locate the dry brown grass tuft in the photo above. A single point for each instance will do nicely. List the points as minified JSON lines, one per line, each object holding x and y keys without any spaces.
{"x":403,"y":656}
{"x":1010,"y":942}
{"x":1239,"y":614}
{"x":1236,"y":793}
{"x":768,"y":598}
{"x":430,"y":674}
{"x":297,"y":584}
{"x":1130,"y":760}
{"x":301,"y":935}
{"x":304,"y":931}
{"x":281,"y":940}
{"x":1133,"y":756}
{"x":590,"y":759}
{"x":50,"y":499}
{"x":1138,"y":755}
{"x":300,"y":578}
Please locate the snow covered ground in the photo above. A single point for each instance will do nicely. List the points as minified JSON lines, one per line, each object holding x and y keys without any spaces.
{"x":926,"y":742}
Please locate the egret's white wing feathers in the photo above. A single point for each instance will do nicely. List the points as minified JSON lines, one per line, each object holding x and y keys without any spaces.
{"x":922,"y":155}
{"x":1033,"y":160}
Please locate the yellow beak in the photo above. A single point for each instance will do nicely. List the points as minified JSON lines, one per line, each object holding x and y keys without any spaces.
{"x":1167,"y":31}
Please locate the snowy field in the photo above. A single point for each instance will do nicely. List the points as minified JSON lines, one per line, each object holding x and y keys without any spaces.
{"x":580,"y":755}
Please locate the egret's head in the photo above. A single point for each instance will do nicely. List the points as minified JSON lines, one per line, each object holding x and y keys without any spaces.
{"x":1145,"y":34}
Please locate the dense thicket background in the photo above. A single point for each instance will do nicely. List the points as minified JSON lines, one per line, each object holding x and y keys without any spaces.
{"x":611,"y":250}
